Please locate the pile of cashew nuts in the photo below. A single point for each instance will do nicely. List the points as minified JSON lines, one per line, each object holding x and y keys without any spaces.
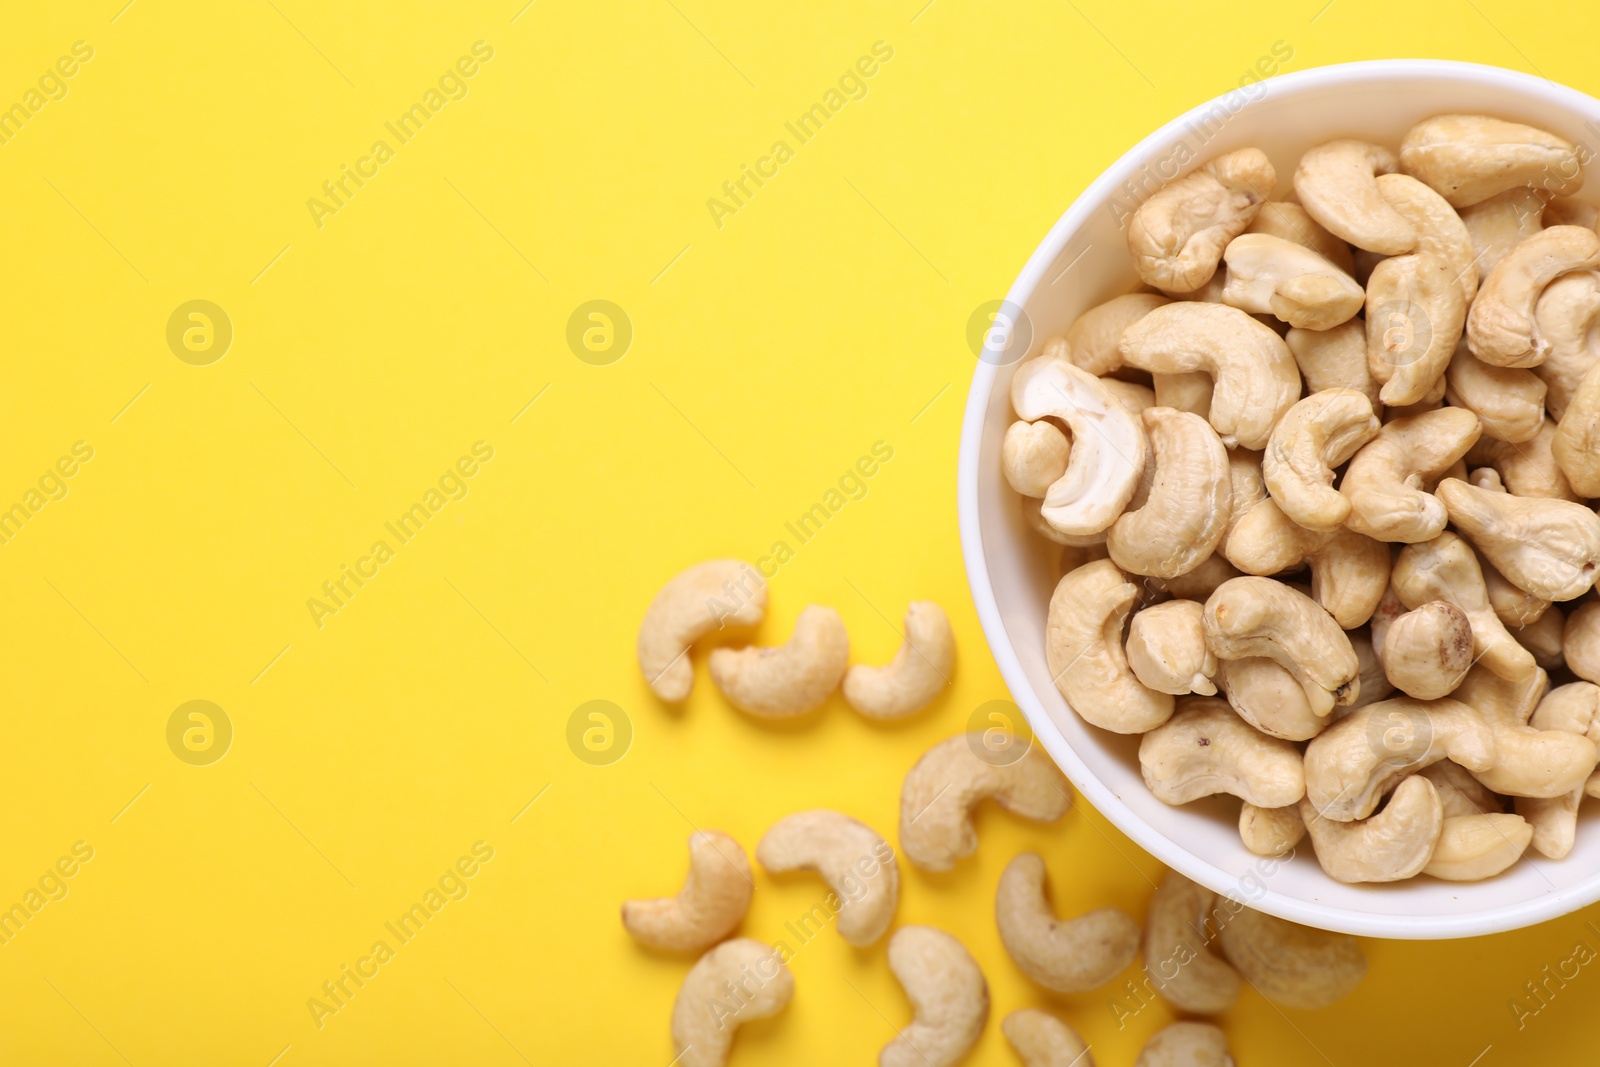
{"x":1326,"y":489}
{"x":739,"y":979}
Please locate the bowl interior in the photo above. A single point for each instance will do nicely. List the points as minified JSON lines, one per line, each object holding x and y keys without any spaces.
{"x":1012,"y":570}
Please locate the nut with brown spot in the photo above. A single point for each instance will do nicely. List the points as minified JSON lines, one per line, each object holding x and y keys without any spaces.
{"x":1469,"y":158}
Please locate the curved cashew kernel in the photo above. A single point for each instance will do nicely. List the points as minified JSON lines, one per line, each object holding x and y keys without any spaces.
{"x":1190,"y":392}
{"x":1108,"y":445}
{"x":1528,"y":468}
{"x":1334,"y":359}
{"x":792,"y":678}
{"x":1375,"y":685}
{"x":1133,"y":396}
{"x":1469,"y":158}
{"x":858,"y":865}
{"x":702,"y":1024}
{"x":1265,"y":541}
{"x":1542,"y":637}
{"x":1447,"y":569}
{"x":713,"y":900}
{"x":1183,"y":516}
{"x":1254,"y":616}
{"x":1337,"y":183}
{"x":941,"y":790}
{"x":1501,"y":223}
{"x":1352,"y":764}
{"x":1530,"y":762}
{"x":1317,"y":434}
{"x":705,"y":597}
{"x":1246,"y":488}
{"x":1186,"y":1044}
{"x":1554,"y":820}
{"x":1269,"y":698}
{"x":1427,"y":651}
{"x":1091,"y":340}
{"x":1083,"y":647}
{"x":1391,"y":846}
{"x":1474,"y":847}
{"x":1177,"y":236}
{"x":1033,"y":455}
{"x":1256,"y":377}
{"x":1440,"y":230}
{"x":909,"y":682}
{"x":1271,"y":276}
{"x":1459,"y":792}
{"x":1550,"y":548}
{"x":1063,"y":955}
{"x":1500,"y":327}
{"x":1348,"y":577}
{"x":1509,"y":401}
{"x":1177,"y":960}
{"x":1569,"y":211}
{"x":1032,"y":515}
{"x":1290,"y":964}
{"x":1501,"y":699}
{"x":1415,"y":312}
{"x":1292,"y":222}
{"x":1270,"y":831}
{"x":1514,"y":606}
{"x":1167,"y":649}
{"x":1201,"y":582}
{"x":1042,"y":1040}
{"x":1567,"y":315}
{"x":1580,"y":642}
{"x":1387,"y":479}
{"x":1577,"y":442}
{"x":949,"y":999}
{"x":1206,"y":749}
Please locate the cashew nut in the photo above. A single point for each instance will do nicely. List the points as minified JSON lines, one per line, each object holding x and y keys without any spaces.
{"x":1446,"y":568}
{"x":1091,"y":340}
{"x":1270,"y":831}
{"x":711,"y":903}
{"x":941,"y":790}
{"x":949,"y":999}
{"x":920,"y":669}
{"x":1187,"y":392}
{"x":1083,"y":649}
{"x":1337,"y":183}
{"x":1265,"y":541}
{"x":1314,"y":436}
{"x":1554,"y":820}
{"x":1390,"y":846}
{"x":1183,"y":516}
{"x":1271,"y":276}
{"x":1352,"y":764}
{"x":1528,"y":468}
{"x":1200,"y":582}
{"x":1415,"y":312}
{"x":1290,"y":964}
{"x":1167,"y":649}
{"x":1440,"y":231}
{"x":1178,"y":234}
{"x":1063,"y":955}
{"x":1577,"y":442}
{"x":1205,"y":748}
{"x":1176,"y":957}
{"x":1500,"y":327}
{"x":1474,"y":847}
{"x":1567,"y":315}
{"x":1135,"y":397}
{"x":706,"y":1014}
{"x":1256,"y":377}
{"x":1501,"y":223}
{"x":1509,"y":401}
{"x":1108,"y":445}
{"x":1033,"y":455}
{"x":1469,"y":158}
{"x":1186,"y":1044}
{"x":1334,"y":359}
{"x":1293,"y":223}
{"x":1253,"y":616}
{"x":1387,"y":480}
{"x":1269,"y":698}
{"x":1427,"y":651}
{"x":1550,"y":548}
{"x":1529,"y":762}
{"x":1580,"y":642}
{"x":1042,"y":1040}
{"x":1032,"y":515}
{"x":1348,"y":577}
{"x":1542,"y":637}
{"x":792,"y":678}
{"x":858,"y":865}
{"x":706,"y":597}
{"x":1459,"y":792}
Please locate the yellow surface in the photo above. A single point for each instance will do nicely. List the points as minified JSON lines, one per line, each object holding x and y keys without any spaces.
{"x":370,"y":753}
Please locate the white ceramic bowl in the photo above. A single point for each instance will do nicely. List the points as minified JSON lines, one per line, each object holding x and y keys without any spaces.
{"x":1083,"y":261}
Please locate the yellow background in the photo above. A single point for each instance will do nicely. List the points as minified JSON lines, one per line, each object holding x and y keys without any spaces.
{"x":769,"y":354}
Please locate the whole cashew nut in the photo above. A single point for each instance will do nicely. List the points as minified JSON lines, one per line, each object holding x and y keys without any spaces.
{"x":1185,"y":513}
{"x":706,"y":597}
{"x":710,"y":905}
{"x":1528,"y":468}
{"x":1387,"y":480}
{"x":1265,"y":541}
{"x":944,"y":786}
{"x":1348,"y":577}
{"x":1317,"y":434}
{"x":1186,"y":1044}
{"x":1033,"y":455}
{"x":1167,"y":649}
{"x":1292,"y":222}
{"x":1290,"y":964}
{"x":1415,"y":312}
{"x":858,"y":865}
{"x":1092,"y":339}
{"x":1580,"y":642}
{"x":1550,"y":548}
{"x":1426,"y":652}
{"x":1474,"y":847}
{"x":1553,"y":821}
{"x":1578,"y":437}
{"x":1176,"y":957}
{"x":1390,"y":846}
{"x":1271,"y":276}
{"x":1178,"y":234}
{"x":1270,"y":831}
{"x":1440,"y":230}
{"x":1256,"y":377}
{"x":1042,"y":1040}
{"x":791,"y":679}
{"x":920,"y":669}
{"x":1253,"y":616}
{"x":1270,"y":698}
{"x":1501,"y":223}
{"x":1509,"y":401}
{"x":1205,"y":748}
{"x":1567,"y":315}
{"x":1529,"y":762}
{"x":1337,"y":183}
{"x":1501,"y":327}
{"x":1447,"y":569}
{"x":1469,"y":158}
{"x":949,"y":999}
{"x":1334,"y":359}
{"x":705,"y":1015}
{"x":1063,"y":955}
{"x":1083,"y":649}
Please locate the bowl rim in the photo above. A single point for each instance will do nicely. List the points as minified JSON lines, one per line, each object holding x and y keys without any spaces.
{"x":1295,"y":909}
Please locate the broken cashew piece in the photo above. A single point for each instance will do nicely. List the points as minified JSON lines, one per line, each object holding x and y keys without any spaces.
{"x":1084,"y":651}
{"x":1509,"y":401}
{"x":1567,"y":315}
{"x":941,"y":790}
{"x":1415,"y":312}
{"x":1440,"y":230}
{"x":1290,"y":964}
{"x":1270,"y":831}
{"x":1501,"y":326}
{"x":1042,"y":1040}
{"x":1334,"y":359}
{"x":1387,"y":481}
{"x":1177,"y":236}
{"x":702,"y":1025}
{"x":1177,"y":960}
{"x":1337,"y":183}
{"x":791,"y":679}
{"x":1252,"y":616}
{"x":1091,"y":340}
{"x":1576,"y":445}
{"x":920,"y":669}
{"x":1352,"y":764}
{"x":1205,"y":748}
{"x":1446,"y":568}
{"x":1426,"y":652}
{"x":1063,"y":955}
{"x":1391,"y":846}
{"x":1185,"y":513}
{"x":1271,"y":276}
{"x":949,"y":999}
{"x":1167,"y":649}
{"x":1550,"y":548}
{"x":713,"y":900}
{"x":1314,"y":436}
{"x":858,"y":865}
{"x":706,"y":597}
{"x":1474,"y":847}
{"x":1469,"y":158}
{"x":1033,"y":455}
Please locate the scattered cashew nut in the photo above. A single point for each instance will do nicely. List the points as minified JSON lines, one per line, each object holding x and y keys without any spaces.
{"x":1177,"y":959}
{"x":706,"y":1013}
{"x":948,"y":994}
{"x":920,"y":669}
{"x":1042,"y":1040}
{"x":858,"y":865}
{"x":706,"y":597}
{"x":1290,"y":964}
{"x":713,"y":900}
{"x":791,"y":679}
{"x":1063,"y":955}
{"x":1186,"y":1044}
